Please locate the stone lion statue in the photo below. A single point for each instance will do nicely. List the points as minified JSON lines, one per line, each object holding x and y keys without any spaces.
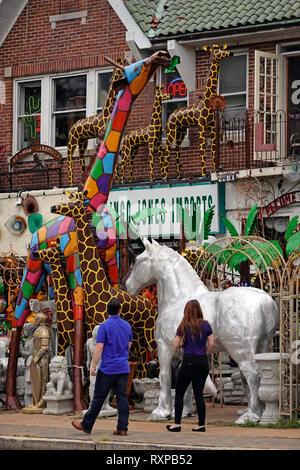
{"x":60,"y":382}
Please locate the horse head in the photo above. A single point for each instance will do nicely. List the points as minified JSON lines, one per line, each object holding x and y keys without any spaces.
{"x":144,"y":271}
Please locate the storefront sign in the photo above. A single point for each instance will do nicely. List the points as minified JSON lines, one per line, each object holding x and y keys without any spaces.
{"x":194,"y":197}
{"x":35,"y":149}
{"x":279,"y":203}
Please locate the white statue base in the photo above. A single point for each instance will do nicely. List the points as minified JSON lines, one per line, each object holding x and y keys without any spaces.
{"x":106,"y":410}
{"x":268,"y":392}
{"x":58,"y":405}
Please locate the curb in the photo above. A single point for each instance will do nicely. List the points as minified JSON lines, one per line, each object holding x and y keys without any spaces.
{"x":33,"y":443}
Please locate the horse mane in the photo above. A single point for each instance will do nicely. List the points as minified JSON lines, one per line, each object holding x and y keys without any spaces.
{"x":184,"y":265}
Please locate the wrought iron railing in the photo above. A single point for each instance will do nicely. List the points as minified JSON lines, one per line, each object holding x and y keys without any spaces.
{"x":256,"y":140}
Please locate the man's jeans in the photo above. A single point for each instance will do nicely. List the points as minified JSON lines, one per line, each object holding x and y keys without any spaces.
{"x":104,"y":383}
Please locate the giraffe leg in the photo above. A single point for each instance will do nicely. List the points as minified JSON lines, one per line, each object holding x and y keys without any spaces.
{"x":179,"y":139}
{"x":151,"y":159}
{"x":126,"y":150}
{"x":213,"y":136}
{"x":202,"y":150}
{"x":160,"y":153}
{"x":171,"y":135}
{"x":72,"y":144}
{"x":132,"y":156}
{"x":82,"y":149}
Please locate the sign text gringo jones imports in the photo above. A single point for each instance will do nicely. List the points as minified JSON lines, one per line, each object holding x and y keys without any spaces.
{"x":197,"y":197}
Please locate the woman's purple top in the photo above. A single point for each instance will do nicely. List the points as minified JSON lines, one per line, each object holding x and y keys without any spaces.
{"x":196,"y":345}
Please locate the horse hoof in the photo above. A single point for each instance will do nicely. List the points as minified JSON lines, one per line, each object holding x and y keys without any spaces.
{"x":159,"y":415}
{"x":249,"y":416}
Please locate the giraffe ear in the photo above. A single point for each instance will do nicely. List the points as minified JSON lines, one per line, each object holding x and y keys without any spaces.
{"x":224,"y":46}
{"x":69,"y":194}
{"x":204,"y":48}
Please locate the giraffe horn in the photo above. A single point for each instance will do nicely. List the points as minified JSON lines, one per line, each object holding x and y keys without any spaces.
{"x":224,"y":46}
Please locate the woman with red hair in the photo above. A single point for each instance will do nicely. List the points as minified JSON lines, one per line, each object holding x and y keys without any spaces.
{"x":195,"y":336}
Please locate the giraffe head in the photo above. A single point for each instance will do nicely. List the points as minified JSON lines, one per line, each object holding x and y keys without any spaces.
{"x":49,"y":254}
{"x":74,"y":208}
{"x":218,"y":52}
{"x":160,"y":95}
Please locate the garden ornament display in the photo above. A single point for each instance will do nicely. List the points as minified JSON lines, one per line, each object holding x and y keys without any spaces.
{"x":137,"y":310}
{"x":200,"y":115}
{"x":91,"y":127}
{"x":243,"y":319}
{"x":39,"y":367}
{"x":98,"y":184}
{"x":70,"y":330}
{"x":150,"y":136}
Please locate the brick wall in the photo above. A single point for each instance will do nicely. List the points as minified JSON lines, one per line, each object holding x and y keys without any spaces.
{"x":34,"y":48}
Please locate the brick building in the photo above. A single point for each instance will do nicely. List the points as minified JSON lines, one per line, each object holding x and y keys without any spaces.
{"x":53,"y":72}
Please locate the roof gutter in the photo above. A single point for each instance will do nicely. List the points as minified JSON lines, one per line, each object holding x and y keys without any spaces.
{"x":204,"y":35}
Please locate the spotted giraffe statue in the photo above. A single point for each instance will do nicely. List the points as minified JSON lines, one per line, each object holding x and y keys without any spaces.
{"x":200,"y":115}
{"x":70,"y":330}
{"x":91,"y":127}
{"x":137,"y":310}
{"x":98,"y":184}
{"x":149,"y":136}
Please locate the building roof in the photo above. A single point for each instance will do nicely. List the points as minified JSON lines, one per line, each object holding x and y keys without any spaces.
{"x":165,"y":18}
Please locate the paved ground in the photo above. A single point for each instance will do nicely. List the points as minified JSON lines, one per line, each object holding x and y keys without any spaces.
{"x":48,"y":432}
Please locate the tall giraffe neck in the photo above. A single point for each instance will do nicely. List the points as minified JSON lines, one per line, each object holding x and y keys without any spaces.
{"x":99,"y":181}
{"x":212,"y":79}
{"x":156,"y":112}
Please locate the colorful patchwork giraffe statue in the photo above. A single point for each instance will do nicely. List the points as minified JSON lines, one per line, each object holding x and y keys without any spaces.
{"x":69,"y":330}
{"x":98,"y":185}
{"x":149,"y":136}
{"x":137,"y":310}
{"x":200,"y":115}
{"x":91,"y":127}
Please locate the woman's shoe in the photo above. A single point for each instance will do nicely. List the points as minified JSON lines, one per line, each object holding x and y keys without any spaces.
{"x":199,"y":429}
{"x":177,"y":429}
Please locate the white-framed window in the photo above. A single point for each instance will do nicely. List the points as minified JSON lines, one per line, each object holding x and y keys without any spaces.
{"x":233,"y":84}
{"x":69,"y":99}
{"x":46,"y":107}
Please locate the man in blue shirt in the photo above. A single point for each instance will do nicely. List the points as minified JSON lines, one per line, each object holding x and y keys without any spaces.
{"x":113,"y":343}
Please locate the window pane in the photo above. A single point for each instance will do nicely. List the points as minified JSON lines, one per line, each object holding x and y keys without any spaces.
{"x":70,"y":93}
{"x":30,"y":98}
{"x":232,"y":77}
{"x":29,"y":131}
{"x":104,"y":80}
{"x":235,"y":105}
{"x":174,"y":85}
{"x":63,"y":123}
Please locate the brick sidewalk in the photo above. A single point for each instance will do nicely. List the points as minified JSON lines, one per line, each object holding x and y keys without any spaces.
{"x":145,"y":434}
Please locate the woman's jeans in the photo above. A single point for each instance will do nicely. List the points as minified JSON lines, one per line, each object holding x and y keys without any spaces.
{"x":104,"y":383}
{"x":193,"y":369}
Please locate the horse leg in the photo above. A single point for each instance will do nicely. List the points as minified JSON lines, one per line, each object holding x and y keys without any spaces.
{"x":250,"y":371}
{"x":164,"y":408}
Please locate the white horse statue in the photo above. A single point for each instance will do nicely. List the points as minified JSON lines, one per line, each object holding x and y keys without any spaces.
{"x":243,"y":319}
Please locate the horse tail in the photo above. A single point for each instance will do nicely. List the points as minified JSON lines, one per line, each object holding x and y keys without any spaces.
{"x":271,"y":315}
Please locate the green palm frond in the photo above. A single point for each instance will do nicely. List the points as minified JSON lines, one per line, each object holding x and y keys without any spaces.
{"x":251,"y":221}
{"x":291,"y":227}
{"x":208,"y":218}
{"x":230,"y":227}
{"x":293,"y":243}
